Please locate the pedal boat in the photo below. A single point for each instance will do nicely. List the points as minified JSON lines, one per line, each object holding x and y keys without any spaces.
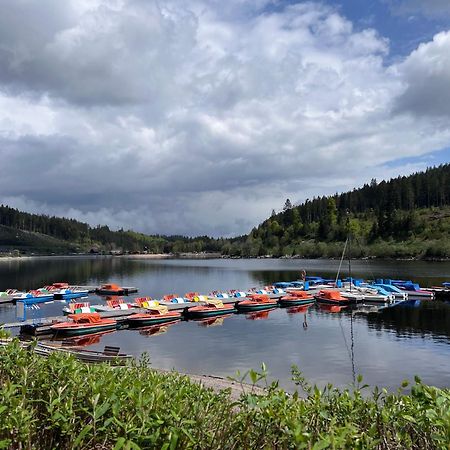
{"x":331,"y":297}
{"x":212,"y":307}
{"x":256,"y":302}
{"x":84,"y":323}
{"x":296,"y":298}
{"x":156,"y":315}
{"x":110,"y":289}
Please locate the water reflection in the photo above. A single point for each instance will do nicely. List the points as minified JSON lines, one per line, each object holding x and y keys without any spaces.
{"x":154,"y":330}
{"x":259,"y":315}
{"x":216,"y":321}
{"x":385,"y":347}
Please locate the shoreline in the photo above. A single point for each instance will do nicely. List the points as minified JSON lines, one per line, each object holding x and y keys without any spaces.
{"x":198,"y":256}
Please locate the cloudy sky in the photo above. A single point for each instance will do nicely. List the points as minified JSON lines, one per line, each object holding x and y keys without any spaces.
{"x":201,"y":116}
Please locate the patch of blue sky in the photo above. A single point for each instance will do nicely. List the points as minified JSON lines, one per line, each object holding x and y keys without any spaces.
{"x":428,"y":159}
{"x":405,"y":29}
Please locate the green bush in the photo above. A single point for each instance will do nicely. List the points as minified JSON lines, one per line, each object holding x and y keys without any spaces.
{"x":62,"y":403}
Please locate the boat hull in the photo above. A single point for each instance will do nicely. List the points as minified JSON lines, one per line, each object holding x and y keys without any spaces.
{"x":153,"y":320}
{"x":325,"y":301}
{"x":254,"y":306}
{"x":82,"y":330}
{"x":199,"y":313}
{"x":296,"y":302}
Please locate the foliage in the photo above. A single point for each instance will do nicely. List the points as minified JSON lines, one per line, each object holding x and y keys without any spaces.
{"x":406,"y":217}
{"x":62,"y":403}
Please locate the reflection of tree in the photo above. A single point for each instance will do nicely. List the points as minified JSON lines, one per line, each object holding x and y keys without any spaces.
{"x":432,"y":317}
{"x":35,"y":272}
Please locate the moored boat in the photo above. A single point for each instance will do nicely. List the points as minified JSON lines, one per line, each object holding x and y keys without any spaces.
{"x":296,"y":298}
{"x":256,"y":302}
{"x":213,"y":307}
{"x":84,"y":323}
{"x":110,"y":289}
{"x":413,"y":290}
{"x":156,"y":315}
{"x":331,"y":297}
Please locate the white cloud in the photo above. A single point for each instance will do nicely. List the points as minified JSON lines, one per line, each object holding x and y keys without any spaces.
{"x":427,"y":73}
{"x":199,"y":118}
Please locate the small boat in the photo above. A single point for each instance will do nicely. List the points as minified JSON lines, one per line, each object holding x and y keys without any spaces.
{"x":34,"y":297}
{"x":79,"y":307}
{"x":109,"y":354}
{"x":296,"y":298}
{"x":70,"y":293}
{"x":413,"y":290}
{"x":331,"y":297}
{"x":84,"y":323}
{"x":110,"y":289}
{"x":156,"y":315}
{"x":174,"y":298}
{"x":271,"y":293}
{"x":213,"y":307}
{"x":256,"y":302}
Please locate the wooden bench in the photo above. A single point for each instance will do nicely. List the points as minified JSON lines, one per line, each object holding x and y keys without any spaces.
{"x":111,"y":351}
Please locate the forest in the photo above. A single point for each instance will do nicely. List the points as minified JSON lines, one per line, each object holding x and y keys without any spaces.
{"x":405,"y":217}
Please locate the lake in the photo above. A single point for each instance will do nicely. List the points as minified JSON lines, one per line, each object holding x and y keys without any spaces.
{"x":384,"y":348}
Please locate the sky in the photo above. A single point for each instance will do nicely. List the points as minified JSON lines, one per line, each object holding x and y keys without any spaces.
{"x":199,"y":117}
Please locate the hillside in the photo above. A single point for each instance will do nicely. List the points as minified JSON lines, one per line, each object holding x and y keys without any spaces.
{"x":401,"y":218}
{"x":13,"y":240}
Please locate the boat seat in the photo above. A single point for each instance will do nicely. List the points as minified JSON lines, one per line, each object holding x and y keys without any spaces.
{"x":110,"y":350}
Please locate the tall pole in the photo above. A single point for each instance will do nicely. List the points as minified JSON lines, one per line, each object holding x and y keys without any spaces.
{"x":349,"y":238}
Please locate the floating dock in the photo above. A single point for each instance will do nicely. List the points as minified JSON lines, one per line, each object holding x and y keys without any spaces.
{"x":42,"y":327}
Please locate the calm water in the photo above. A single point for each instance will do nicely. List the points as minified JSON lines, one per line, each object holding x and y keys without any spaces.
{"x":385,"y":348}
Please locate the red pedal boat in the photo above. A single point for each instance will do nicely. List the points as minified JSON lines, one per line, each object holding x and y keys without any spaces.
{"x":330,"y":297}
{"x":213,"y":307}
{"x":296,"y":298}
{"x":156,"y":315}
{"x":84,"y":323}
{"x":256,"y":302}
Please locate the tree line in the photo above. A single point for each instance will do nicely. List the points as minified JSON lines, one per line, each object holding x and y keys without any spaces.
{"x":383,"y":215}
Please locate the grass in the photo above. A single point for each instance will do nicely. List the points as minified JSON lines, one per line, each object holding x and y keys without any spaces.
{"x":62,"y":403}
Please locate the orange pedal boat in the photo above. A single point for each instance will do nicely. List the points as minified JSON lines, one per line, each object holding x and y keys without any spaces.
{"x":296,"y":298}
{"x":256,"y":302}
{"x":84,"y":323}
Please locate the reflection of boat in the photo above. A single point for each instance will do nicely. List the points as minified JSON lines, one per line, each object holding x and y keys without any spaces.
{"x":331,"y":297}
{"x":155,"y":315}
{"x":331,"y":308}
{"x":302,"y":309}
{"x":259,"y":315}
{"x":213,"y":307}
{"x":213,"y":321}
{"x":84,"y":323}
{"x":84,"y":341}
{"x":256,"y":302}
{"x":154,"y":330}
{"x":296,"y":298}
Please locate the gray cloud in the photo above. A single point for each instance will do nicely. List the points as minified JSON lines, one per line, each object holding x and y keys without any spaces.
{"x":194,"y":118}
